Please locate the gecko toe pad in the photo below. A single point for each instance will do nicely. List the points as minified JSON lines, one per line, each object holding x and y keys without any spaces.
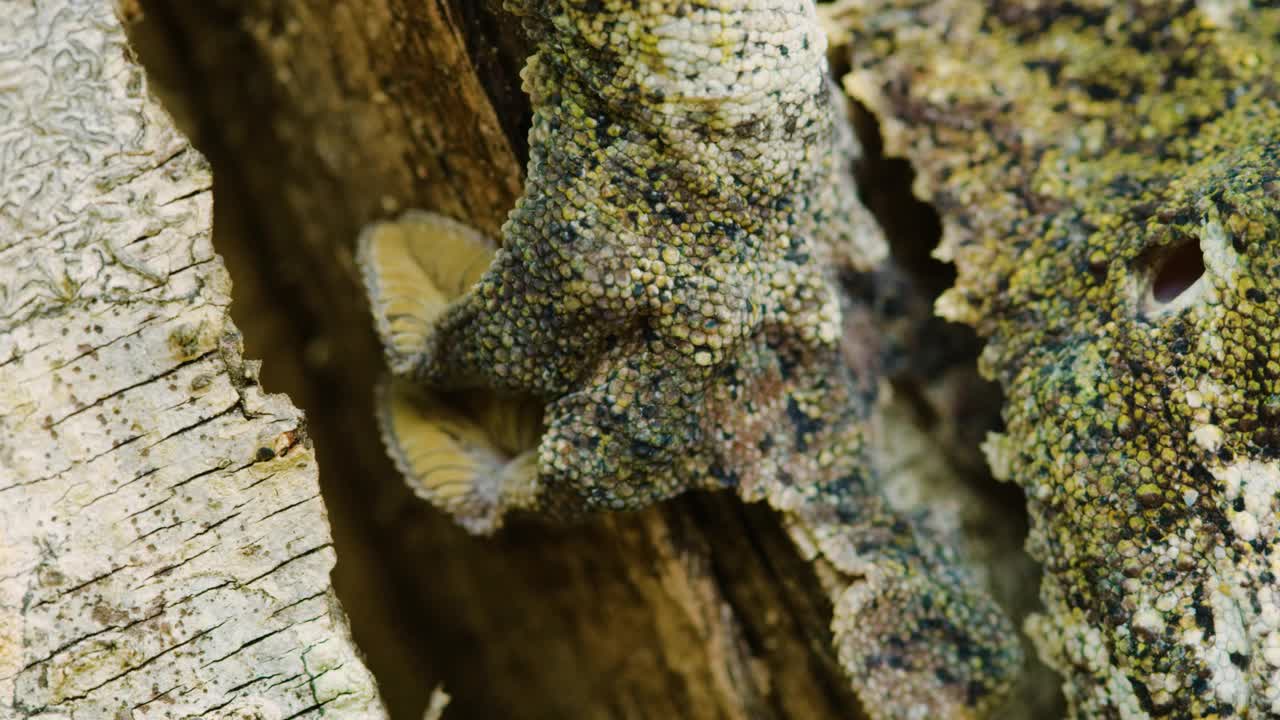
{"x":470,"y":455}
{"x":413,"y":268}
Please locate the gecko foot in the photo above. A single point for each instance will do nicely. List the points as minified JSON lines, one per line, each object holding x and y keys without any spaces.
{"x":472,"y":455}
{"x":413,"y":269}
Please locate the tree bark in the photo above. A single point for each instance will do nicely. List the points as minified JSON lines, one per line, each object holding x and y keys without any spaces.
{"x":164,"y":551}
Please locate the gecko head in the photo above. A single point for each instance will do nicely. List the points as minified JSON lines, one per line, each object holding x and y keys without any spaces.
{"x":1144,"y":425}
{"x":1107,"y":179}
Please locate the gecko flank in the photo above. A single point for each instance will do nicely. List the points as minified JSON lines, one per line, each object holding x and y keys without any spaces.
{"x":664,"y":291}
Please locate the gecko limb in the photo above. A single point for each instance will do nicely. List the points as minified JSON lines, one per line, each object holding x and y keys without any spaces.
{"x":666,"y":287}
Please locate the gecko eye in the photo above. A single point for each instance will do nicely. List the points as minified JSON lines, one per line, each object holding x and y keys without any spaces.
{"x":1175,"y":270}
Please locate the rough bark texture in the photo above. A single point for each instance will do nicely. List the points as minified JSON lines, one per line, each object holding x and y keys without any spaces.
{"x":320,"y":117}
{"x":164,"y":551}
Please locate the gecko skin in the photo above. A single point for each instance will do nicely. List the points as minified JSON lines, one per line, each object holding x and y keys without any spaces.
{"x":665,"y":290}
{"x":1109,"y":179}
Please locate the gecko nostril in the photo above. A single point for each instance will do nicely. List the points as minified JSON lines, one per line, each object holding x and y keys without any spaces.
{"x":1176,"y":270}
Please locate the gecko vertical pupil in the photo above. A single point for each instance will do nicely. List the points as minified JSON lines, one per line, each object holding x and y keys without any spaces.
{"x":1177,"y":270}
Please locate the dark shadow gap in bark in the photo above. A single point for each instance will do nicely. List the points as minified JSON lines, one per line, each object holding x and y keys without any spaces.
{"x":498,"y":56}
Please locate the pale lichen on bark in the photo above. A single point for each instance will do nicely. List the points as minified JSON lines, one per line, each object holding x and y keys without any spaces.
{"x":163,"y":547}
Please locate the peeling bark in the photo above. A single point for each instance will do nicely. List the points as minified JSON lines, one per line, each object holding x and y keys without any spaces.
{"x":164,"y":551}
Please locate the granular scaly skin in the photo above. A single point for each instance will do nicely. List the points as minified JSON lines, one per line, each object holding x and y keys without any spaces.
{"x":669,"y":217}
{"x":1087,"y":157}
{"x":667,"y":286}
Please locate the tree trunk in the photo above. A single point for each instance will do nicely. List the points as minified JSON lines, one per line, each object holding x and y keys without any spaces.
{"x":320,"y":116}
{"x":163,"y":547}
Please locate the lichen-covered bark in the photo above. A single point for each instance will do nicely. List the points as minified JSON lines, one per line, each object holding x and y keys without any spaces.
{"x":164,"y":549}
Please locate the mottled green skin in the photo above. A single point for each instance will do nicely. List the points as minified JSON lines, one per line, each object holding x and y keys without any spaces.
{"x":667,"y":285}
{"x":1071,"y":149}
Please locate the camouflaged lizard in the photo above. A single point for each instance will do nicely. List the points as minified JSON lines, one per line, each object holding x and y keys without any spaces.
{"x":1109,"y":180}
{"x":662,"y":315}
